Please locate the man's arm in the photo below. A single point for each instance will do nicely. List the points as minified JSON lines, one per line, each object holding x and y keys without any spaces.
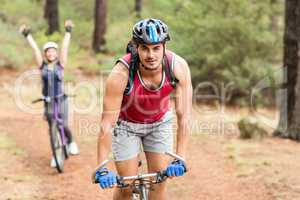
{"x":115,"y":86}
{"x":27,"y":34}
{"x":66,"y":43}
{"x":183,"y":104}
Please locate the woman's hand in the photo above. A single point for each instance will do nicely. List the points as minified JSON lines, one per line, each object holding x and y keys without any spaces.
{"x":69,"y":25}
{"x":24,"y":30}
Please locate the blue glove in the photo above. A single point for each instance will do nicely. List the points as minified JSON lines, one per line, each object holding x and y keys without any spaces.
{"x":105,"y":178}
{"x":176,"y":168}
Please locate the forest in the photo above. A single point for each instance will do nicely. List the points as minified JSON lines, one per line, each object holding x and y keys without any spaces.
{"x":244,"y":61}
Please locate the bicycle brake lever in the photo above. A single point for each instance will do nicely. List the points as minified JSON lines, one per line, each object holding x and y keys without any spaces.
{"x":175,"y":156}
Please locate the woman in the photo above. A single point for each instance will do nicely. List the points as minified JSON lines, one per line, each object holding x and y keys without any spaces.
{"x":52,"y":66}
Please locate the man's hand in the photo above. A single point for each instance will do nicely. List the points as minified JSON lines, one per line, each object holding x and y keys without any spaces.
{"x":176,"y":168}
{"x":69,"y":25}
{"x":105,"y":178}
{"x":24,"y":30}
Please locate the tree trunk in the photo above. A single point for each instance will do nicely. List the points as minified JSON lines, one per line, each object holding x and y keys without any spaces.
{"x":138,"y":8}
{"x":100,"y":26}
{"x":51,"y":15}
{"x":289,"y":126}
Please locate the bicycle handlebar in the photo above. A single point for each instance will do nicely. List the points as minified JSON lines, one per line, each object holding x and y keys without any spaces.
{"x":144,"y":179}
{"x":143,"y":176}
{"x":159,"y":175}
{"x":37,"y":100}
{"x":48,"y":98}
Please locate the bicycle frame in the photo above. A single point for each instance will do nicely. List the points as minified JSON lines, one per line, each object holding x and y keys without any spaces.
{"x":141,"y":183}
{"x":55,"y":114}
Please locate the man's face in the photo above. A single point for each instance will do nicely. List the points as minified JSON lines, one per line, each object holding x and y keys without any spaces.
{"x":151,"y":55}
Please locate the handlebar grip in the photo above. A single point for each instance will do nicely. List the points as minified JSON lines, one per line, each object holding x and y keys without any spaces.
{"x":97,"y":168}
{"x":37,"y":100}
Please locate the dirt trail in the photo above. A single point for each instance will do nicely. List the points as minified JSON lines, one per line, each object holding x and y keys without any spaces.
{"x":30,"y":134}
{"x":210,"y":176}
{"x":221,"y":168}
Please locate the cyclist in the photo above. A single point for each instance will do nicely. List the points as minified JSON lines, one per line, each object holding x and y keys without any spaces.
{"x":136,"y":109}
{"x":52,"y":68}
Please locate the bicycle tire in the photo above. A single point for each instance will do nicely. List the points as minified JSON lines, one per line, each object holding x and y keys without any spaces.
{"x":66,"y":146}
{"x":57,"y":147}
{"x":66,"y":151}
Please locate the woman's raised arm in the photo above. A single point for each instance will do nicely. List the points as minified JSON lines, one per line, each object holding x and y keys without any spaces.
{"x":66,"y":42}
{"x":26,"y":32}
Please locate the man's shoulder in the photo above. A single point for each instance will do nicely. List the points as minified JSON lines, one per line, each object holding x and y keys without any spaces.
{"x":125,"y":59}
{"x":181,"y":69}
{"x":180,"y":61}
{"x":180,"y":64}
{"x":119,"y":68}
{"x":177,"y":58}
{"x":117,"y":78}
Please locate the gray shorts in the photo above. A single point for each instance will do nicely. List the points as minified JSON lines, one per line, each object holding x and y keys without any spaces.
{"x":130,"y":138}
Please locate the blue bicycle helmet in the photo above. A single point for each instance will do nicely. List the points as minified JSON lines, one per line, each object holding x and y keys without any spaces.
{"x":150,"y":31}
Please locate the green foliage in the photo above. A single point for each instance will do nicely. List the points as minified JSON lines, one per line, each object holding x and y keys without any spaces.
{"x":17,"y":12}
{"x":250,"y":128}
{"x":10,"y":44}
{"x":233,"y":42}
{"x":230,"y":41}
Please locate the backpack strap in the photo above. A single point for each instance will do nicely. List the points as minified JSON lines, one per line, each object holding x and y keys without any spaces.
{"x":130,"y":61}
{"x":58,"y":65}
{"x":169,"y":68}
{"x":42,"y":65}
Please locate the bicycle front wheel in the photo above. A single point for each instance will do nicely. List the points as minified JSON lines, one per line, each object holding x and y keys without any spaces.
{"x":57,"y":146}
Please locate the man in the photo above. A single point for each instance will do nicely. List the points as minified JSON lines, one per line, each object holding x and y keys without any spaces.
{"x":136,"y":107}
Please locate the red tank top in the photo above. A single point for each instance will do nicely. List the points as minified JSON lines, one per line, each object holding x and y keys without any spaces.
{"x":144,"y":105}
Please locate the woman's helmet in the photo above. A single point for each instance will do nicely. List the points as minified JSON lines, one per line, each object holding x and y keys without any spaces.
{"x":50,"y":45}
{"x":150,"y":31}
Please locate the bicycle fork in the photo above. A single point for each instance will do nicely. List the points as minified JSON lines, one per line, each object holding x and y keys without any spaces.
{"x":60,"y":124}
{"x":143,"y":192}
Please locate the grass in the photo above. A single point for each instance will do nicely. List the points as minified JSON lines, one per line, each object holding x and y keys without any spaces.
{"x":9,"y":145}
{"x":22,"y":178}
{"x":246,"y":156}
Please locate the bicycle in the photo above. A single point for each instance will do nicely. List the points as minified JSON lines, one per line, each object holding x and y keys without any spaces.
{"x":56,"y":131}
{"x":139,"y":184}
